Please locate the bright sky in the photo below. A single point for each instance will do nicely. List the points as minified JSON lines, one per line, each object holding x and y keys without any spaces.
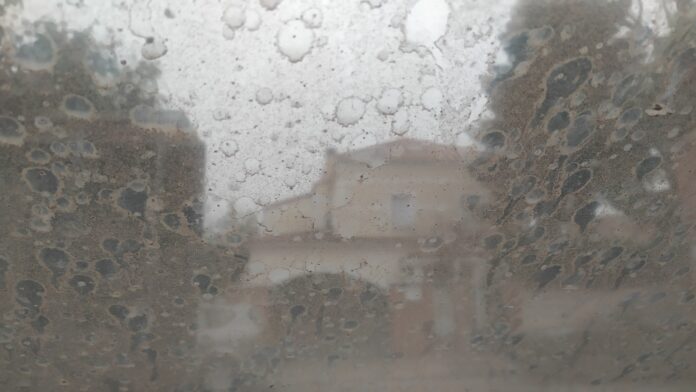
{"x":270,"y":90}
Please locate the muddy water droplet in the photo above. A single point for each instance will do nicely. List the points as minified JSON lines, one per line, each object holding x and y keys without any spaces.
{"x":558,"y":122}
{"x":646,"y":166}
{"x":296,"y":311}
{"x":531,"y":236}
{"x":133,"y":201}
{"x":202,"y":282}
{"x":138,"y":323}
{"x":40,"y":323}
{"x":43,"y":123}
{"x":39,"y":156}
{"x":119,"y":311}
{"x":77,"y":106}
{"x":610,"y":254}
{"x":172,"y":221}
{"x":521,"y":187}
{"x":37,"y":54}
{"x":629,"y":87}
{"x":494,"y":140}
{"x":295,"y":40}
{"x":576,"y":181}
{"x":59,"y":149}
{"x":562,"y":81}
{"x":11,"y":131}
{"x":548,"y":274}
{"x":630,"y":117}
{"x":582,"y":128}
{"x":41,"y":180}
{"x":584,"y":215}
{"x":105,"y":267}
{"x":82,"y":284}
{"x":29,"y":294}
{"x":56,"y":260}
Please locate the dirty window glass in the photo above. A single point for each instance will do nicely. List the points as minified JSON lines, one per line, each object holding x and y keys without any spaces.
{"x":355,"y":195}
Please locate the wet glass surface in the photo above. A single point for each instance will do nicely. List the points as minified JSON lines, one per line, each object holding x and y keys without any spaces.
{"x":373,"y":195}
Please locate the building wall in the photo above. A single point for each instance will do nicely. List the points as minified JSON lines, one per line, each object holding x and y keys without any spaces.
{"x":368,"y":202}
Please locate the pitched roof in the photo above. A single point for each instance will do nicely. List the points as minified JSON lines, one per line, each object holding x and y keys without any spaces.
{"x":403,"y":150}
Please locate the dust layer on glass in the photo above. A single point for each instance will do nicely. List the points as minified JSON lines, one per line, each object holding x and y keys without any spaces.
{"x":526,"y":228}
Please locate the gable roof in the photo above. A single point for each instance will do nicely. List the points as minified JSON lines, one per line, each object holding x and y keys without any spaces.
{"x":404,"y":149}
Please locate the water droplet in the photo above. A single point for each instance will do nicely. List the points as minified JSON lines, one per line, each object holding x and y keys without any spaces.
{"x":432,"y":99}
{"x":295,"y":40}
{"x":252,"y":166}
{"x":245,"y":206}
{"x":558,"y":122}
{"x":349,"y":111}
{"x":401,"y":122}
{"x":647,"y":165}
{"x":229,"y":148}
{"x":119,"y":311}
{"x":43,"y":123}
{"x":312,"y":18}
{"x":29,"y":294}
{"x":11,"y":131}
{"x":584,"y":215}
{"x":77,"y":106}
{"x":546,"y":275}
{"x":153,"y":49}
{"x":427,"y":22}
{"x":37,"y":53}
{"x":105,"y":267}
{"x":270,"y":4}
{"x":228,"y":33}
{"x":264,"y":96}
{"x":390,"y":101}
{"x":234,"y":17}
{"x":41,"y":180}
{"x":576,"y":181}
{"x":56,"y":260}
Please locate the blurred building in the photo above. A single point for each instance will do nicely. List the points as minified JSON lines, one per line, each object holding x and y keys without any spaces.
{"x":387,"y":215}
